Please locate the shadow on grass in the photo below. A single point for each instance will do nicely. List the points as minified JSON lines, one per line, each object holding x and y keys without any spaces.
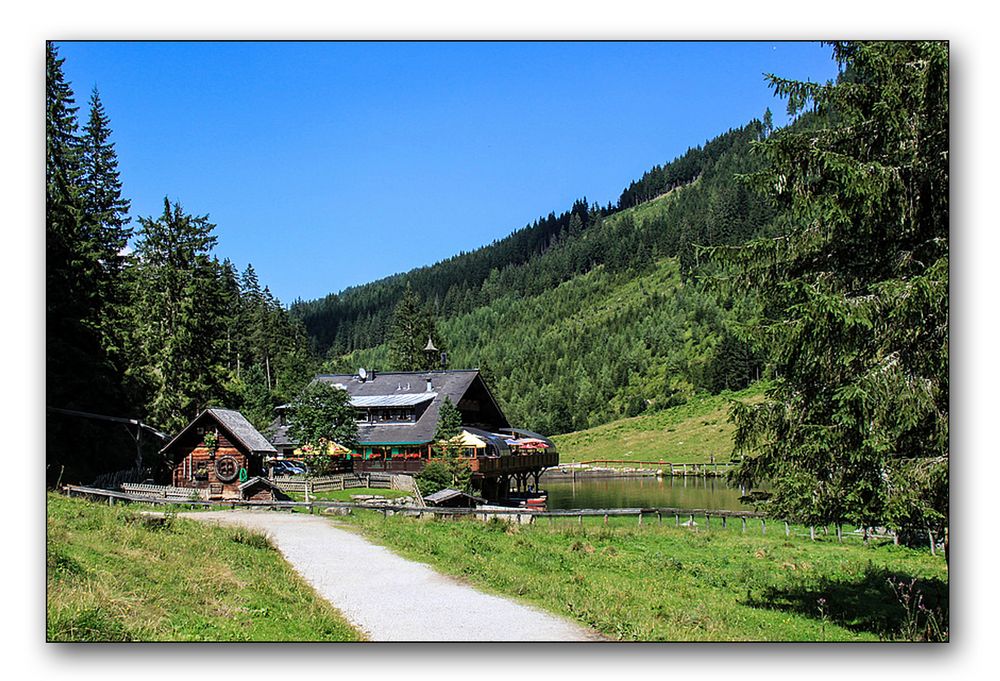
{"x":892,"y":605}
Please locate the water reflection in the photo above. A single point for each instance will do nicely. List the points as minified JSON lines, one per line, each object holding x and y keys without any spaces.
{"x":676,"y":492}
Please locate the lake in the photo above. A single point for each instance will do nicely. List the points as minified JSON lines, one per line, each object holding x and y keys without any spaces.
{"x":666,"y":492}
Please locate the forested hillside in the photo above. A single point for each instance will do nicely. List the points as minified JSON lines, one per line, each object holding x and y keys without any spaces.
{"x":587,"y":316}
{"x":556,"y":248}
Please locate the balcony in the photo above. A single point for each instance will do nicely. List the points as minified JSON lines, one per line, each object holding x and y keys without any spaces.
{"x":515,"y":463}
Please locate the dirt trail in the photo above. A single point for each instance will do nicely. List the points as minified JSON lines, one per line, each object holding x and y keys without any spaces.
{"x":391,"y":598}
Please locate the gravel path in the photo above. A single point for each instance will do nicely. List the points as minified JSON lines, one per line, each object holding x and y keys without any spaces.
{"x":391,"y":598}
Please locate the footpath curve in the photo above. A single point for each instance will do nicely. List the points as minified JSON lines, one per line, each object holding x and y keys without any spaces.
{"x":390,"y":598}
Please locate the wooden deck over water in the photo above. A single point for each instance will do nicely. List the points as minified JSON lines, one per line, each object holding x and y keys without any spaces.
{"x":517,"y":463}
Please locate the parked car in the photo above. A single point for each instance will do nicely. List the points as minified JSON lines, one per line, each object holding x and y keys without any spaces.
{"x":283,"y":468}
{"x":299,"y":467}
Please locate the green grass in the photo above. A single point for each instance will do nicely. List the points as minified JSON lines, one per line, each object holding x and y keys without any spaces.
{"x":113,"y":575}
{"x":345,"y":495}
{"x":693,"y":432}
{"x":662,"y":583}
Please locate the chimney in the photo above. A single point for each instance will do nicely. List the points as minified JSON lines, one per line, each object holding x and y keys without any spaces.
{"x":430,"y":386}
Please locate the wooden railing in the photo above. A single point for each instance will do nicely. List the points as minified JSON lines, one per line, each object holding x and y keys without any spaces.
{"x":513,"y":463}
{"x":642,"y":515}
{"x":404,"y":483}
{"x":680,"y":469}
{"x":175,"y":493}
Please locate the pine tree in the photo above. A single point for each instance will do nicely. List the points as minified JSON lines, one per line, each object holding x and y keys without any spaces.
{"x":412,"y":325}
{"x":254,"y":396}
{"x":855,"y":287}
{"x":179,"y":316}
{"x":449,"y":421}
{"x":80,"y":371}
{"x":105,"y":216}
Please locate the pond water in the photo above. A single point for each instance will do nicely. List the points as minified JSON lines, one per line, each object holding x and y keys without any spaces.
{"x":667,"y":492}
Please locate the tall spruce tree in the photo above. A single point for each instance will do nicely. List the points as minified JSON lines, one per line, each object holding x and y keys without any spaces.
{"x":105,"y":216}
{"x":855,"y":286}
{"x":179,"y":316}
{"x":412,"y":326}
{"x":81,"y":328}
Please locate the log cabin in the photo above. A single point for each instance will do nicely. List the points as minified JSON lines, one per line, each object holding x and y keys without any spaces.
{"x":222,"y":452}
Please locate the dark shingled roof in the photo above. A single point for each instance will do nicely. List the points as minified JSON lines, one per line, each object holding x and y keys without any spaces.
{"x":453,"y":384}
{"x":447,"y":494}
{"x":237,"y":426}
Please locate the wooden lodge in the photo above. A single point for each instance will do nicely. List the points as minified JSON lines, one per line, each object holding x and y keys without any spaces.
{"x":222,"y":452}
{"x":397,"y":416}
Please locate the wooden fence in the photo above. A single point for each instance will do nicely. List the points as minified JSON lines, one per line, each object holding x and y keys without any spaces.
{"x":345,"y":481}
{"x":172,"y":493}
{"x":668,"y":468}
{"x":749,"y":520}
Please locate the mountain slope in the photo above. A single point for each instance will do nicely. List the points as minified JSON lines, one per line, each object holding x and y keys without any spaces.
{"x":587,"y":317}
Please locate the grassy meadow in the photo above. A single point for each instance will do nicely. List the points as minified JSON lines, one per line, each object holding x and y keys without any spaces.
{"x":666,"y":583}
{"x":693,"y":432}
{"x":346,"y":494}
{"x":115,"y":575}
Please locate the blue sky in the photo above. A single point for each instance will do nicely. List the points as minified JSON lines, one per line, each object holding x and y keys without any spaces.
{"x":328,"y":165}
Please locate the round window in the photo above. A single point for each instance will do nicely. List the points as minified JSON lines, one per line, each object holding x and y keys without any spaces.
{"x":227,"y":468}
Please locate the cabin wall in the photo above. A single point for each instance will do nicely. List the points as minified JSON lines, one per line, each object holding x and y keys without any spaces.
{"x":193,"y":456}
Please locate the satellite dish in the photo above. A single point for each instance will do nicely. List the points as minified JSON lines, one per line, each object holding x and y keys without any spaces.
{"x":362,"y":373}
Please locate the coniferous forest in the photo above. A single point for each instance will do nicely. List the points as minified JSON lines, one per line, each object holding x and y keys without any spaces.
{"x":813,"y":256}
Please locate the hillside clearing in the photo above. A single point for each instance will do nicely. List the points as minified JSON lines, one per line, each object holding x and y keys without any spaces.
{"x":693,"y":432}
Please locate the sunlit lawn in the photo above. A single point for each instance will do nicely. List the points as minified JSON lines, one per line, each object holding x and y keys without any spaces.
{"x":661,"y":582}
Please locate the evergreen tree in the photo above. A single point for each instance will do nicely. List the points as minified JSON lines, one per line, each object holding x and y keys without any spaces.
{"x":412,"y":326}
{"x":80,"y":371}
{"x":856,"y":295}
{"x":449,"y":446}
{"x":255,"y":401}
{"x":179,"y":317}
{"x":105,"y":215}
{"x":449,"y":421}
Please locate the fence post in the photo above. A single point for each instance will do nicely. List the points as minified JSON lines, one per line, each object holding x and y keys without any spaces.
{"x":930,"y":535}
{"x":640,"y":518}
{"x":677,"y":519}
{"x":744,"y":524}
{"x":723,"y":522}
{"x":659,"y":517}
{"x":763,"y":526}
{"x":787,"y":531}
{"x":840,"y":536}
{"x":580,"y":519}
{"x":708,"y":522}
{"x":605,"y":518}
{"x":812,"y":533}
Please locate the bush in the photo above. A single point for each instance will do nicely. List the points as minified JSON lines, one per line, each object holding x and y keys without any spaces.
{"x":436,"y":476}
